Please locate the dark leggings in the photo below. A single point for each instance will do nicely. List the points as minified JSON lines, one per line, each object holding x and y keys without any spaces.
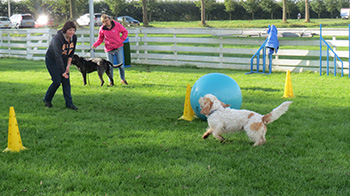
{"x":57,"y":79}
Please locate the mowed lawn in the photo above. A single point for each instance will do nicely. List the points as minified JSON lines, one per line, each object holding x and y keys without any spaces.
{"x":127,"y":140}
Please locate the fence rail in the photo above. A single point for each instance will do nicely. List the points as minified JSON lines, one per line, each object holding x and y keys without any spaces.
{"x":201,"y":47}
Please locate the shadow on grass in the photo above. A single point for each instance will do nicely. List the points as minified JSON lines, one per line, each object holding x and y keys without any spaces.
{"x":15,"y":64}
{"x":261,"y":89}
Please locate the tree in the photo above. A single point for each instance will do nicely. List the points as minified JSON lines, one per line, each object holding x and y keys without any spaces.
{"x":203,"y":13}
{"x":342,"y":4}
{"x":17,"y":7}
{"x":205,"y":6}
{"x":230,"y":6}
{"x":144,"y":13}
{"x":116,"y":6}
{"x":151,"y":6}
{"x":301,"y":5}
{"x":268,"y":6}
{"x":331,"y":6}
{"x":307,"y":13}
{"x":103,"y":8}
{"x":317,"y":6}
{"x":284,"y":18}
{"x":290,"y":5}
{"x":251,"y":6}
{"x":35,"y":6}
{"x":72,"y":10}
{"x":58,"y":8}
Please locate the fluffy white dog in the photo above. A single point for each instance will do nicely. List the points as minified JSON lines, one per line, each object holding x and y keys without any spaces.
{"x":222,"y":119}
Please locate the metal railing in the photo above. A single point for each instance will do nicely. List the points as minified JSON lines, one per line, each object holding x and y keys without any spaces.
{"x":335,"y":57}
{"x":257,"y":55}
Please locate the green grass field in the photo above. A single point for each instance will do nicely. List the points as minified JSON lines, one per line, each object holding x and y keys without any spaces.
{"x":261,"y":23}
{"x":127,"y":140}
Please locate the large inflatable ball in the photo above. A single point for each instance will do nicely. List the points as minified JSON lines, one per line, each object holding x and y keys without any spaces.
{"x":222,"y":86}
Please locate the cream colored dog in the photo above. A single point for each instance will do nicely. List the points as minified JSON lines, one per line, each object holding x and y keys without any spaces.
{"x":222,"y":119}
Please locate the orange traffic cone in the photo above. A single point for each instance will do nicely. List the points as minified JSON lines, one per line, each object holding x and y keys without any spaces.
{"x":288,"y":89}
{"x":14,"y":143}
{"x":188,"y":111}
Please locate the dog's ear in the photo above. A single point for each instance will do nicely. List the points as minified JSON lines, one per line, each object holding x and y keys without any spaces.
{"x":224,"y":104}
{"x":207,"y":104}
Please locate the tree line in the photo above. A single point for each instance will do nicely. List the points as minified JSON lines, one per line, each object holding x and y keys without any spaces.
{"x":157,"y":10}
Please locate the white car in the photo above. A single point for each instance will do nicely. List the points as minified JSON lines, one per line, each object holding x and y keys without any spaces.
{"x":98,"y":17}
{"x":5,"y":22}
{"x":22,"y":21}
{"x":84,"y":20}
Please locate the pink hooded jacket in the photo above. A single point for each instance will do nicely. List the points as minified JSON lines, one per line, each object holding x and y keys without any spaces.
{"x":112,"y":37}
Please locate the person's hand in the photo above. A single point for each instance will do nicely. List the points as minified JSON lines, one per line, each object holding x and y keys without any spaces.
{"x":93,"y":47}
{"x":67,"y":69}
{"x":65,"y":75}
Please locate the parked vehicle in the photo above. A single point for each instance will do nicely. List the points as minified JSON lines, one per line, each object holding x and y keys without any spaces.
{"x":22,"y":21}
{"x":345,"y":13}
{"x":129,"y":21}
{"x":5,"y":22}
{"x":84,"y":20}
{"x":45,"y":21}
{"x":98,"y":17}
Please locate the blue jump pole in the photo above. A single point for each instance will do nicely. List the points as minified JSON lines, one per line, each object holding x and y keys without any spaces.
{"x":270,"y":63}
{"x":335,"y":55}
{"x":257,"y":55}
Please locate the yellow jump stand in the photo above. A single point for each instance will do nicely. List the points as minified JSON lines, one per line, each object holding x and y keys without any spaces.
{"x":288,"y":89}
{"x":188,"y":111}
{"x":14,"y":143}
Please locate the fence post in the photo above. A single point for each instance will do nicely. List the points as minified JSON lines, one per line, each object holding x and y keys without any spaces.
{"x":137,"y":45}
{"x":221,"y":53}
{"x":9,"y":43}
{"x":145,"y":46}
{"x":29,"y":56}
{"x":175,"y":48}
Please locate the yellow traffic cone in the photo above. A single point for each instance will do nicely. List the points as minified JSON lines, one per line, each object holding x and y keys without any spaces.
{"x":14,"y":142}
{"x":188,"y":111}
{"x":288,"y":89}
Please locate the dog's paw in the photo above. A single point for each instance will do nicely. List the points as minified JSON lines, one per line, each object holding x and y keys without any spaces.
{"x":205,"y":136}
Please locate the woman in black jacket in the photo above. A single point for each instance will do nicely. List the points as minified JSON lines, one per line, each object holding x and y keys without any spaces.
{"x":58,"y":60}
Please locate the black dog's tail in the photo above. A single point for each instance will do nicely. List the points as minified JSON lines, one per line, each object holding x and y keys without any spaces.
{"x":115,"y":66}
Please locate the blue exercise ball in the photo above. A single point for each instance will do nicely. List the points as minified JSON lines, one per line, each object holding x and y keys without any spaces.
{"x":220,"y":85}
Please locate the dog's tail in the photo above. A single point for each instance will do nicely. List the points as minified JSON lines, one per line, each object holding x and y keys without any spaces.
{"x":276,"y":113}
{"x":115,"y":66}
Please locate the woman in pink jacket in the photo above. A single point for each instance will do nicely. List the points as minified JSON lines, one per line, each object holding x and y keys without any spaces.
{"x":113,"y":34}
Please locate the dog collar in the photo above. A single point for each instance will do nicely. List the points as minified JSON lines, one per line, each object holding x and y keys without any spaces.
{"x":212,"y":112}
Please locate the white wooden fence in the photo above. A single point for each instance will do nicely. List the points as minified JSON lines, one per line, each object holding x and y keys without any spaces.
{"x":201,"y":47}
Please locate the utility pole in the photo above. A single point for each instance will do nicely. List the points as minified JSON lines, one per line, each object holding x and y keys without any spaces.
{"x":92,"y":23}
{"x":9,"y":7}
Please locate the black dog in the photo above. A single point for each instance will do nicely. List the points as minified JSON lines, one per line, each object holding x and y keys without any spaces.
{"x":94,"y":64}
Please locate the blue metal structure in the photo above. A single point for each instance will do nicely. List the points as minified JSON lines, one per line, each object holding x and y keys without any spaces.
{"x":257,"y":55}
{"x":335,"y":55}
